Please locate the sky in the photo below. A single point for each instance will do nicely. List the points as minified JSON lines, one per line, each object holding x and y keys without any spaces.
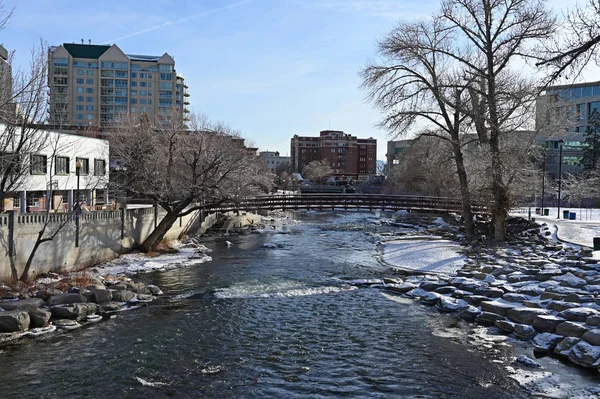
{"x":270,"y":68}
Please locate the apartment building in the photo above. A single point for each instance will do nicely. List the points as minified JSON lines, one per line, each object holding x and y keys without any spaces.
{"x":348,"y":155}
{"x":275,"y":162}
{"x":98,"y":85}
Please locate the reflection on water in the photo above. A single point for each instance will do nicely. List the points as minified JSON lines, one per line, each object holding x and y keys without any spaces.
{"x":266,"y":323}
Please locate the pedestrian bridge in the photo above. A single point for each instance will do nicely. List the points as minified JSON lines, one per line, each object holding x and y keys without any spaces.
{"x":347,"y":202}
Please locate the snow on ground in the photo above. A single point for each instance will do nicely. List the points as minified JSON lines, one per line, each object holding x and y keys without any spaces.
{"x":134,"y":263}
{"x":432,"y":255}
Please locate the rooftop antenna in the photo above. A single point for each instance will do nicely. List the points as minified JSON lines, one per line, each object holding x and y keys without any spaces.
{"x":90,"y":41}
{"x":82,"y":40}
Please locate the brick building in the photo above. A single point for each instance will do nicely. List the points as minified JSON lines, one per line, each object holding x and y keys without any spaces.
{"x":347,"y":155}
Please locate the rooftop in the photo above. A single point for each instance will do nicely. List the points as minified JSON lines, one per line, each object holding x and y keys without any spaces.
{"x":94,"y":51}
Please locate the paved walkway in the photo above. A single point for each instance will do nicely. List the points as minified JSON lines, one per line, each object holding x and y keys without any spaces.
{"x":580,"y":232}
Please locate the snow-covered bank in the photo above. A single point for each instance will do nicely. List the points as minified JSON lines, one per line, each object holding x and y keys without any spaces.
{"x":423,"y":254}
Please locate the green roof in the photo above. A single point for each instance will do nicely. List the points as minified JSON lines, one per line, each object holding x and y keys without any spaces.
{"x":85,"y":50}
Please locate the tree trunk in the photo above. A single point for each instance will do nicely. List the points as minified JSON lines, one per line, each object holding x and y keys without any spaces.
{"x":164,"y":225}
{"x":465,"y":194}
{"x":38,"y":242}
{"x":500,"y":206}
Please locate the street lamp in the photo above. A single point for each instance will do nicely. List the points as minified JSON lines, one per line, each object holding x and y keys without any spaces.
{"x":77,"y":207}
{"x":543,"y":181}
{"x":560,"y":148}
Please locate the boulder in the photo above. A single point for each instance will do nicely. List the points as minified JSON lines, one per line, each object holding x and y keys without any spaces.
{"x":525,"y":315}
{"x":585,"y":354}
{"x":578,"y":314}
{"x":470,"y":313}
{"x":111,"y":306}
{"x":23,"y":304}
{"x":488,"y":318}
{"x":564,"y":347}
{"x":559,"y":306}
{"x":154,"y":290}
{"x":77,"y":311}
{"x":547,"y":274}
{"x":500,"y":308}
{"x":445,"y":290}
{"x":123,"y":286}
{"x":122,"y":295}
{"x":531,"y":290}
{"x":14,"y":321}
{"x":431,"y":285}
{"x":63,"y":299}
{"x":38,"y":317}
{"x":593,"y":320}
{"x":571,"y":329}
{"x":523,"y":331}
{"x":518,"y":298}
{"x":447,"y":305}
{"x":430,"y":298}
{"x":505,"y":326}
{"x":474,"y":300}
{"x":546,"y":342}
{"x":102,"y":296}
{"x":517,"y":277}
{"x":525,"y":361}
{"x":592,"y":337}
{"x":459,"y":294}
{"x":577,"y":298}
{"x":139,"y":288}
{"x":547,"y":323}
{"x":401,"y":288}
{"x":570,"y":280}
{"x":552,"y":295}
{"x":492,"y":292}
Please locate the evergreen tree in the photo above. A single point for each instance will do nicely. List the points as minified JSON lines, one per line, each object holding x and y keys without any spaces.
{"x":591,"y":150}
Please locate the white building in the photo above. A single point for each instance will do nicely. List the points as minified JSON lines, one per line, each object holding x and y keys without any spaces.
{"x":275,"y":162}
{"x":49,"y":166}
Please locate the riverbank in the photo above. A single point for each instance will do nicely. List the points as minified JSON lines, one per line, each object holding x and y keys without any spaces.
{"x":534,"y":289}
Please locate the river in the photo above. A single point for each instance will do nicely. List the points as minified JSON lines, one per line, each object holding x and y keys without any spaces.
{"x":260,"y":322}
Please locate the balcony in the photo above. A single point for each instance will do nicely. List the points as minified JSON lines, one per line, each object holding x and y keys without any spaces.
{"x":186,"y":94}
{"x":186,"y":102}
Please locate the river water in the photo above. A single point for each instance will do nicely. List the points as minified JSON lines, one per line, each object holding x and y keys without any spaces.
{"x":261,"y":322}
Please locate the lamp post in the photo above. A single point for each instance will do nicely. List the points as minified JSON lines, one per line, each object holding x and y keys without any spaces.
{"x":543,"y":182}
{"x":77,"y":207}
{"x":560,"y":148}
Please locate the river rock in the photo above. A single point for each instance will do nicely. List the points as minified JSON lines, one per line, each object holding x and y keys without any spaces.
{"x":23,"y":304}
{"x":525,"y":315}
{"x":505,"y":326}
{"x":570,"y":280}
{"x":578,"y":314}
{"x":559,"y":306}
{"x":38,"y":317}
{"x":592,"y":337}
{"x":518,"y":298}
{"x":493,"y":292}
{"x":571,"y":329}
{"x":77,"y":311}
{"x":500,"y":308}
{"x":154,"y":290}
{"x":121,"y":287}
{"x":577,"y":298}
{"x":531,"y":290}
{"x":488,"y":318}
{"x":401,"y":288}
{"x":474,"y":300}
{"x":445,"y":290}
{"x":524,"y":331}
{"x":122,"y":295}
{"x":523,"y":360}
{"x":547,"y":274}
{"x":432,"y":285}
{"x":430,"y":298}
{"x":14,"y":320}
{"x":518,"y":277}
{"x":447,"y":305}
{"x":138,"y":288}
{"x":63,"y":299}
{"x":564,"y":347}
{"x":552,"y":295}
{"x":585,"y":354}
{"x":102,"y":296}
{"x":470,"y":313}
{"x":111,"y":306}
{"x":547,"y":323}
{"x":593,"y":320}
{"x":546,"y":342}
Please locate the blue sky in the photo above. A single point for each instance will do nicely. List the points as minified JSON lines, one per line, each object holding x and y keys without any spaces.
{"x":270,"y":68}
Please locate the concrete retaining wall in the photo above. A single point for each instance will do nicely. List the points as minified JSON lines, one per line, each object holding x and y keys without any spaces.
{"x":103,"y":236}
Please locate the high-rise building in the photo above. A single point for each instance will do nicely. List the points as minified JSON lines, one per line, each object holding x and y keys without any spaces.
{"x":98,"y":85}
{"x":7,"y":106}
{"x":347,"y":155}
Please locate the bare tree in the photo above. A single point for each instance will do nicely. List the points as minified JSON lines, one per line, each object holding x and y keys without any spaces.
{"x":416,"y":84}
{"x":318,"y":170}
{"x":498,"y":33}
{"x":569,"y":52}
{"x":182,"y":170}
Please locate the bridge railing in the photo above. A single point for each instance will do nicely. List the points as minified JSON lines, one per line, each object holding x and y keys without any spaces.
{"x":349,"y":201}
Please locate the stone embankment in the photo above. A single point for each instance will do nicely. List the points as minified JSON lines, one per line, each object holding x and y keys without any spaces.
{"x":537,"y":290}
{"x":67,"y":303}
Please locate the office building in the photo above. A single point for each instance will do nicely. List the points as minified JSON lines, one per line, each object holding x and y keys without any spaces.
{"x":347,"y":155}
{"x":100,"y":85}
{"x":275,"y":162}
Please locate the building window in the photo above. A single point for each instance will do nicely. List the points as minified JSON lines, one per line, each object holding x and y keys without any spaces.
{"x":89,"y":99}
{"x":33,"y":200}
{"x":134,"y":75}
{"x":80,"y":90}
{"x":39,"y":164}
{"x":89,"y":72}
{"x":89,"y":117}
{"x":79,"y":108}
{"x":89,"y":81}
{"x":61,"y":165}
{"x":134,"y":101}
{"x":89,"y":90}
{"x":143,"y":84}
{"x":134,"y":84}
{"x":166,"y":76}
{"x":85,"y":166}
{"x":80,"y":72}
{"x":79,"y":116}
{"x":166,"y":86}
{"x":89,"y":107}
{"x":134,"y":92}
{"x":80,"y":81}
{"x":99,"y":167}
{"x":80,"y":98}
{"x":165,"y":67}
{"x":61,"y":62}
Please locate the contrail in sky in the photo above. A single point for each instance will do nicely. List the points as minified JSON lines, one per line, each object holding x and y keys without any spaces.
{"x":184,"y":19}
